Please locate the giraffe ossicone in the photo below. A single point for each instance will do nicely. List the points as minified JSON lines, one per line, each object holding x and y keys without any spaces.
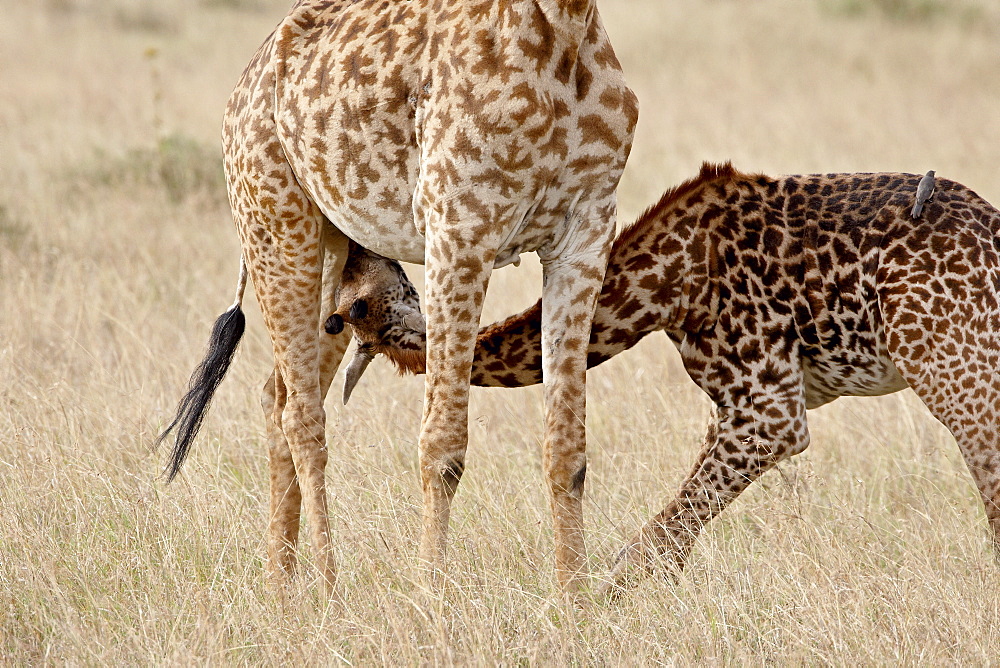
{"x":783,"y":294}
{"x":449,"y":133}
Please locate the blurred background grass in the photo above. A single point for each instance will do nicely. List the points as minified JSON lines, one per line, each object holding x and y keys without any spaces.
{"x":117,"y":251}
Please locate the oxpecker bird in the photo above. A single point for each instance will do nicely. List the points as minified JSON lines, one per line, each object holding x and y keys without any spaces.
{"x":925,"y":189}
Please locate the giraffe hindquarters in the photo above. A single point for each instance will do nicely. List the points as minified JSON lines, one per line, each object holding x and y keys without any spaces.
{"x":739,"y":447}
{"x":289,"y":248}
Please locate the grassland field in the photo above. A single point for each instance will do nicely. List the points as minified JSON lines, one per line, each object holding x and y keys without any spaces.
{"x":117,"y":251}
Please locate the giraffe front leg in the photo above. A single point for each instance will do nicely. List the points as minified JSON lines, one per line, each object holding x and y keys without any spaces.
{"x":740,"y":446}
{"x":572,"y":284}
{"x":458,"y":264}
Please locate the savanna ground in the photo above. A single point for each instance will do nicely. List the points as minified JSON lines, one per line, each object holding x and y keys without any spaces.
{"x":117,"y":251}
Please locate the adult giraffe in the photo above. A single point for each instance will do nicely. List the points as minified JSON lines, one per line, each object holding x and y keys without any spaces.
{"x":456,"y":133}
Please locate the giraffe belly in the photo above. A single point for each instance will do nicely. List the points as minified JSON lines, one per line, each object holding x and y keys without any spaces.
{"x":848,"y":373}
{"x":532,"y":227}
{"x":388,"y":232}
{"x":377,"y":194}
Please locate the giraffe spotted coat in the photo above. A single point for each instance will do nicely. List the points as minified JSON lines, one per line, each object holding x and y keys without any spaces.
{"x":783,"y":294}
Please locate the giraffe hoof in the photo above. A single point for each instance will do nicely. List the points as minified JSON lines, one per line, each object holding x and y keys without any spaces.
{"x":334,"y":324}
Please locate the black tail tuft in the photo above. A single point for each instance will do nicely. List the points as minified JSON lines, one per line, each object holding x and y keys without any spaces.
{"x":226,"y":335}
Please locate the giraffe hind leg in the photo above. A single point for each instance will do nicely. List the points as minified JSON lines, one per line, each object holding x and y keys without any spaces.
{"x":286,"y":496}
{"x":953,"y":365}
{"x":975,"y":424}
{"x":282,"y":235}
{"x":965,"y":398}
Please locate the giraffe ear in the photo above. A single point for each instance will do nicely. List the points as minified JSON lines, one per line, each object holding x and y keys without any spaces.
{"x":354,"y":372}
{"x":414,"y":321}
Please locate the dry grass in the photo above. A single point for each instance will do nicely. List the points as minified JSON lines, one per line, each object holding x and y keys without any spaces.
{"x":117,"y":252}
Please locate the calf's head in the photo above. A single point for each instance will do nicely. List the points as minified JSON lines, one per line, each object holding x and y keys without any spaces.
{"x":383,"y":309}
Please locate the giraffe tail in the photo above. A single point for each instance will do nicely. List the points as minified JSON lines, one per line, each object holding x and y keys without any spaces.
{"x":226,"y":335}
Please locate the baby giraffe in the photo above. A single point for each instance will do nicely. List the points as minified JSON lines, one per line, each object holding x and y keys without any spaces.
{"x":781,"y":294}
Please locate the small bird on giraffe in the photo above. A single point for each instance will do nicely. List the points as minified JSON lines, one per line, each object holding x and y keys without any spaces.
{"x":925,"y":190}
